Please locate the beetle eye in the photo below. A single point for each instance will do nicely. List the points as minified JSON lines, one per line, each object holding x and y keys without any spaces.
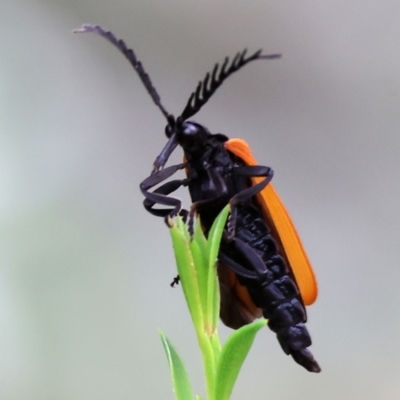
{"x":168,"y":131}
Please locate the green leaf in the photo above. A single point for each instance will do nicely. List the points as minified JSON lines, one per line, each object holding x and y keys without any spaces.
{"x":187,"y":272}
{"x":180,"y":379}
{"x":199,"y":237}
{"x":232,"y":357}
{"x":199,"y":249}
{"x":214,"y":241}
{"x":215,"y":235}
{"x":183,"y":228}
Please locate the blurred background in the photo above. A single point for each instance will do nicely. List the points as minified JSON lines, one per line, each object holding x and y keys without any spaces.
{"x":85,"y":271}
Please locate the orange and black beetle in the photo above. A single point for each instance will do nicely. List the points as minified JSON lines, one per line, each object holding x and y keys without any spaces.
{"x":262,"y":267}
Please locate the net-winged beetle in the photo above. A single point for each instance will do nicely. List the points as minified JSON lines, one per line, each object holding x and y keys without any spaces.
{"x":262,"y":267}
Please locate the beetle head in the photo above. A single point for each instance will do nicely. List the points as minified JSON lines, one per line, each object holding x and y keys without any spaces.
{"x":193,"y":136}
{"x":190,"y":135}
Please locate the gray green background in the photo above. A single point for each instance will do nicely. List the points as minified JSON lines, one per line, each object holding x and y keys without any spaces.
{"x":85,"y":271}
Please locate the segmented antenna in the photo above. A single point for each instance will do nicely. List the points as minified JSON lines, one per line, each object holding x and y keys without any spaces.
{"x":130,"y":55}
{"x":206,"y":88}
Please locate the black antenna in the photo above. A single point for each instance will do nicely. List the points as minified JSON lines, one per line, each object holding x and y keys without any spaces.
{"x":130,"y":55}
{"x":205,"y":89}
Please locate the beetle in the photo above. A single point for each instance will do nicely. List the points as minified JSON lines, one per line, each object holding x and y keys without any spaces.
{"x":263,"y":269}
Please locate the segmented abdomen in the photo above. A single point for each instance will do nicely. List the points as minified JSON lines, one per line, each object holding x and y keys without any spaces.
{"x":276,"y":292}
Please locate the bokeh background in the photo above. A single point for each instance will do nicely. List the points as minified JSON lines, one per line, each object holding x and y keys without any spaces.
{"x":85,"y":271}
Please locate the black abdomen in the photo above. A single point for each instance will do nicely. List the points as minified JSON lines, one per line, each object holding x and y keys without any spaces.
{"x":276,"y":292}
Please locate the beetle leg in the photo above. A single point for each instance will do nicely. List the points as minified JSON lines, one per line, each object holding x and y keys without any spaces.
{"x":159,"y":176}
{"x":206,"y":204}
{"x":249,"y":171}
{"x":236,"y":267}
{"x":258,"y":270}
{"x":160,"y":195}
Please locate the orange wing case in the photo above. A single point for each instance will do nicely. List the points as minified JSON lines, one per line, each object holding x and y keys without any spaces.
{"x":282,"y":226}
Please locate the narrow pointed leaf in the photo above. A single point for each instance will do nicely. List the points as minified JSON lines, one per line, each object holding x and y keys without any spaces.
{"x":187,"y":272}
{"x":232,"y":357}
{"x":183,"y":228}
{"x":198,"y":247}
{"x":214,"y":240}
{"x":215,"y":235}
{"x":180,"y":378}
{"x":199,"y":237}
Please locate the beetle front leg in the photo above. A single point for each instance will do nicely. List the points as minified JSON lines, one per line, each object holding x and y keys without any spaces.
{"x":160,"y":195}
